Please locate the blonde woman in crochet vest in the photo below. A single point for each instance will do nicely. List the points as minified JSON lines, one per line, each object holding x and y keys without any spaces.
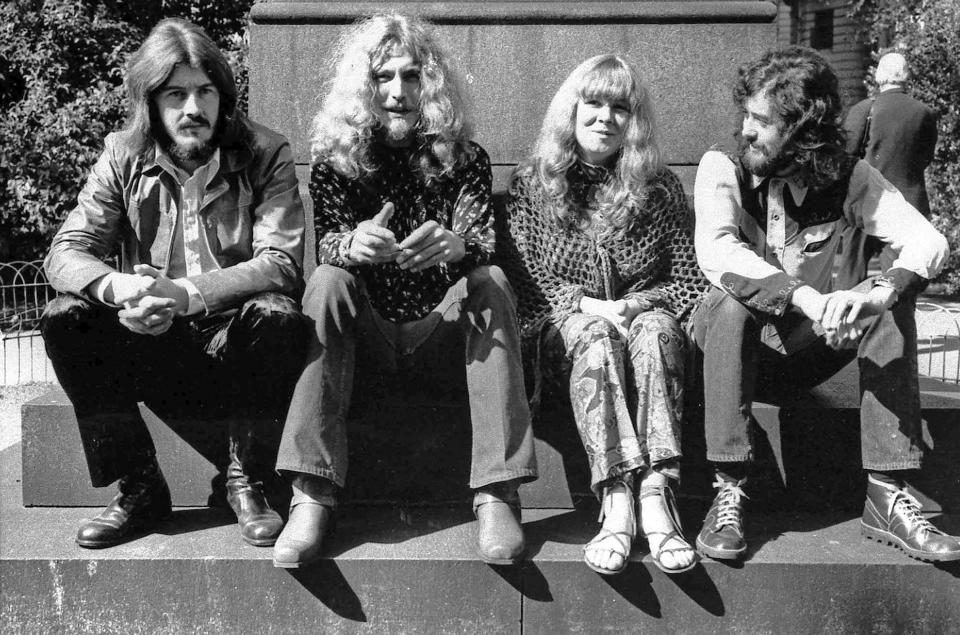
{"x":600,"y":252}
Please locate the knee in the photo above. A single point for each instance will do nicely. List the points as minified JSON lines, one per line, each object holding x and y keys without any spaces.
{"x":329,"y":285}
{"x":596,"y":330}
{"x":65,"y":314}
{"x":726,"y":313}
{"x":274,"y":311}
{"x":656,"y":329}
{"x":490,"y":282}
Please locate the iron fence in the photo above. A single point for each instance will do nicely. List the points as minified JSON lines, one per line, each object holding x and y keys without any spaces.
{"x":24,"y":291}
{"x":938,"y":342}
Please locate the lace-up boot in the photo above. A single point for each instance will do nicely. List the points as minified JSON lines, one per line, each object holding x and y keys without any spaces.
{"x":721,"y":537}
{"x":142,"y":502}
{"x":259,"y":523}
{"x":892,"y":516}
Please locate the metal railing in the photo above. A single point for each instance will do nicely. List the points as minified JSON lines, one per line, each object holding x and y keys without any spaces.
{"x":938,"y":342}
{"x":24,"y":291}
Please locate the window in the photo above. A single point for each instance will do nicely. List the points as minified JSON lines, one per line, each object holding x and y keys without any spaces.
{"x":822,"y":35}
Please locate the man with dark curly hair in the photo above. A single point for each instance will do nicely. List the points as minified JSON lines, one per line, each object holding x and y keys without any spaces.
{"x":404,"y":229}
{"x":769,"y":221}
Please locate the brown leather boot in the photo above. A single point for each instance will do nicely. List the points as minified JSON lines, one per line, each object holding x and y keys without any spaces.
{"x":500,"y":535}
{"x":142,"y":502}
{"x":259,"y":523}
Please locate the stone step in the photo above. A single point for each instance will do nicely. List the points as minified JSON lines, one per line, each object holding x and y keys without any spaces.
{"x":416,"y":449}
{"x":399,"y":569}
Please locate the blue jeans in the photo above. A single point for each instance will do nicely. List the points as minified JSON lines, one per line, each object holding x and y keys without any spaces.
{"x":479,"y":309}
{"x":748,"y":355}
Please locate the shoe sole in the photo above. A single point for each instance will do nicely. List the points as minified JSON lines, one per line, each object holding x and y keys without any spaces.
{"x":887,"y":538}
{"x":719,"y":554}
{"x":503,"y":562}
{"x":297,"y":565}
{"x":266,"y":542}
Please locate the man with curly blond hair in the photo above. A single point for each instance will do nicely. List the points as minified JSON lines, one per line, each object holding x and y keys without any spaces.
{"x":404,"y":229}
{"x":769,"y":223}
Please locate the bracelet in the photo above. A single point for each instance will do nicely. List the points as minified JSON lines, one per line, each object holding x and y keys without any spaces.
{"x":886,"y":282}
{"x":344,"y":248}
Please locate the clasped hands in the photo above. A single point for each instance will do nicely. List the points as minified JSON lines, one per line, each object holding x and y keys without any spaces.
{"x":428,"y":245}
{"x":150,"y":300}
{"x":620,"y":313}
{"x":843,"y":314}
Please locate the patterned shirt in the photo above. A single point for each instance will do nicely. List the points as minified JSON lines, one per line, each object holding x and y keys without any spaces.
{"x":761,"y":239}
{"x":460,"y":203}
{"x":552,"y":267}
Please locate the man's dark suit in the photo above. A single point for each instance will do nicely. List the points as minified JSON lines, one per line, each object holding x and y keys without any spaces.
{"x":903,"y":136}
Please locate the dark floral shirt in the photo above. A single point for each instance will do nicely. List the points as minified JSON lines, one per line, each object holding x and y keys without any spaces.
{"x":460,"y":203}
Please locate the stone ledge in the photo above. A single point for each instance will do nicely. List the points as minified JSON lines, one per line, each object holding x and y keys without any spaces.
{"x":649,"y":12}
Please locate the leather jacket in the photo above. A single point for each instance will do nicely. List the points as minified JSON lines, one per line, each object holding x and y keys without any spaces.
{"x":251,"y":213}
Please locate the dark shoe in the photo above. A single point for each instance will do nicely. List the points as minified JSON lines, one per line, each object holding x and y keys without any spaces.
{"x":721,"y":537}
{"x":142,"y":502}
{"x":301,"y":542}
{"x":500,"y":536}
{"x":259,"y":523}
{"x":892,"y":516}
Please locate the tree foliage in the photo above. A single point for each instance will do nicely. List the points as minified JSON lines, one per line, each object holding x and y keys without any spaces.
{"x":61,"y":93}
{"x":927,"y":32}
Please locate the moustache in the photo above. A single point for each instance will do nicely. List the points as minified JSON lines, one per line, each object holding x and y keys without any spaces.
{"x":193,"y":122}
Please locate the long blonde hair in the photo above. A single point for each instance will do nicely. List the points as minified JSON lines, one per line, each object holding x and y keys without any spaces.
{"x":607,"y":78}
{"x":342,"y":131}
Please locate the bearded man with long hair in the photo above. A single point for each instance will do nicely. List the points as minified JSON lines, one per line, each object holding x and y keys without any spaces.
{"x":201,"y":320}
{"x":769,"y":221}
{"x":404,"y":229}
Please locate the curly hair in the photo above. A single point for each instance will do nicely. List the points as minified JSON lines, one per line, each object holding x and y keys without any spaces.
{"x":607,"y":78}
{"x":803,"y":89}
{"x":174,"y":41}
{"x":342,"y":131}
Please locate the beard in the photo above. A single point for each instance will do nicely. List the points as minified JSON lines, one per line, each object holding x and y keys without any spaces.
{"x":762,"y":160}
{"x":199,"y":152}
{"x":398,"y":132}
{"x":195,"y":151}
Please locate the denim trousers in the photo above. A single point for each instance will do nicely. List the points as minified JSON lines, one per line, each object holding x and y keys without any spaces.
{"x":748,"y":355}
{"x":479,"y":309}
{"x":626,"y":393}
{"x":239,"y":368}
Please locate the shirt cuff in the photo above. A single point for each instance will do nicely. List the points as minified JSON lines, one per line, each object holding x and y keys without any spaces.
{"x":100,"y":291}
{"x":195,"y":302}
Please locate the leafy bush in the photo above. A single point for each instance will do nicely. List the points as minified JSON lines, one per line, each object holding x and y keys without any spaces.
{"x":61,"y":93}
{"x":927,"y":32}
